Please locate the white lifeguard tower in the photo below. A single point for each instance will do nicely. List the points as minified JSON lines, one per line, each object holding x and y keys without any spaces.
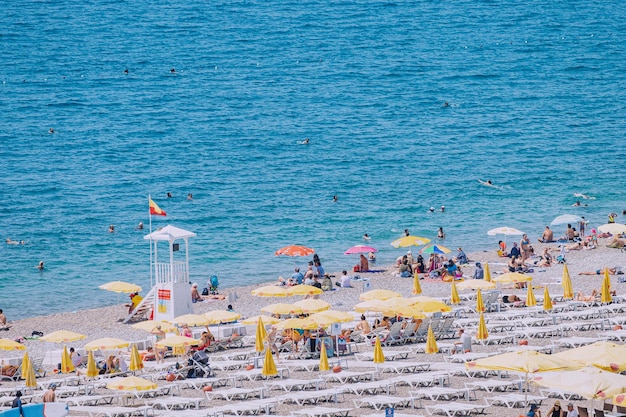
{"x":172,"y":290}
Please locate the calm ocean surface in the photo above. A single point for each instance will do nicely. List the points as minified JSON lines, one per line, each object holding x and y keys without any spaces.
{"x":536,"y":104}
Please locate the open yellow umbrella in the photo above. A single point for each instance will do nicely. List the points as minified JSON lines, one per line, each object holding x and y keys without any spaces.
{"x":8,"y":344}
{"x":192,"y":320}
{"x":221,"y":316}
{"x":106,"y":343}
{"x":487,"y":273}
{"x":270,"y":291}
{"x":531,"y":301}
{"x":312,"y":305}
{"x":417,"y":288}
{"x":176,"y":341}
{"x":379,"y":357}
{"x":62,"y":336}
{"x":92,"y":369}
{"x":293,"y":323}
{"x":136,"y":364}
{"x":131,"y":383}
{"x":605,"y":355}
{"x":304,"y":290}
{"x":28,"y":372}
{"x":480,"y":306}
{"x":282,"y":309}
{"x":590,"y":382}
{"x":512,"y":277}
{"x":149,"y":325}
{"x":408,"y":311}
{"x":482,"y":333}
{"x":380,"y":306}
{"x":67,"y":365}
{"x":429,"y":304}
{"x":255,"y":320}
{"x":606,"y":288}
{"x":269,"y":366}
{"x":327,"y":317}
{"x":454,"y":297}
{"x":431,"y":343}
{"x":475,"y":284}
{"x":378,"y":295}
{"x":524,"y":361}
{"x":120,"y":287}
{"x":547,"y":300}
{"x":407,"y":241}
{"x":324,"y":358}
{"x":566,"y":283}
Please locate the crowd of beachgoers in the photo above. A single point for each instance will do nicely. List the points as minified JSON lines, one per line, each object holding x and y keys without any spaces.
{"x":585,"y":267}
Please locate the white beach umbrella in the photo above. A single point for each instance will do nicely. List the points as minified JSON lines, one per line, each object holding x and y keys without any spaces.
{"x":565,"y":219}
{"x":613,"y":228}
{"x":506,"y":231}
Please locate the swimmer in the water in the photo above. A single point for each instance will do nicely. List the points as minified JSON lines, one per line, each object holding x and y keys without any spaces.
{"x":305,"y":142}
{"x":140,"y":226}
{"x":126,"y":71}
{"x":335,"y":199}
{"x":443,"y":209}
{"x":40,"y":266}
{"x":111,"y":228}
{"x":173,"y":71}
{"x":366,"y":237}
{"x":489,"y":182}
{"x":12,"y":242}
{"x":169,"y":195}
{"x":446,"y":104}
{"x":51,"y":131}
{"x":189,"y":196}
{"x":432,"y":209}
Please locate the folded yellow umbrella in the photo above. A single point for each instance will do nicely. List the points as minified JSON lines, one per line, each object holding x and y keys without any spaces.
{"x":379,"y":357}
{"x":431,"y":343}
{"x":547,"y":301}
{"x":260,"y":336}
{"x":28,"y":372}
{"x":566,"y":282}
{"x":454,"y":297}
{"x":531,"y":301}
{"x":480,"y":306}
{"x":417,"y":288}
{"x":67,"y":365}
{"x":482,"y":334}
{"x":487,"y":273}
{"x":92,"y":369}
{"x":269,"y":366}
{"x":136,"y":364}
{"x":323,"y":358}
{"x":606,"y":288}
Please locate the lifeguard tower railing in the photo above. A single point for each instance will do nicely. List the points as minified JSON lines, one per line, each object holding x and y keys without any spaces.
{"x":171,"y":272}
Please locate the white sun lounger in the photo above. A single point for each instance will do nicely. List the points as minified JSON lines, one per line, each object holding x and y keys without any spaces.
{"x":235,"y":393}
{"x":378,"y":402}
{"x":89,"y":400}
{"x":492,"y":385}
{"x":175,"y":403}
{"x":441,"y":393}
{"x":322,"y":412}
{"x":390,"y":355}
{"x":452,"y":409}
{"x":99,"y":411}
{"x":266,"y":405}
{"x":296,"y":384}
{"x":372,"y":388}
{"x":308,"y":397}
{"x":344,"y":377}
{"x":514,"y":400}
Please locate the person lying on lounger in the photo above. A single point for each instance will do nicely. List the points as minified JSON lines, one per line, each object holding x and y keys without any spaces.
{"x":612,"y":271}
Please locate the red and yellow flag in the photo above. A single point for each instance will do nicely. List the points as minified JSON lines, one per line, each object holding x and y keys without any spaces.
{"x":156,"y":210}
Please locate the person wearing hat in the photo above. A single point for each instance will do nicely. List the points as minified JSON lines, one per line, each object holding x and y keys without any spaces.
{"x":556,"y":410}
{"x":49,"y":396}
{"x":17,"y":402}
{"x":479,"y":273}
{"x":534,"y":411}
{"x":571,"y":411}
{"x":327,"y":284}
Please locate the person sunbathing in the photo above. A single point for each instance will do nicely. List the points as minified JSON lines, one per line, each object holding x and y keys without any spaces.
{"x":612,"y":271}
{"x":595,"y":295}
{"x":616,"y":242}
{"x":363,"y":325}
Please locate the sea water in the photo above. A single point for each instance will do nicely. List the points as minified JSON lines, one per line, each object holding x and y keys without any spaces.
{"x":218,"y":95}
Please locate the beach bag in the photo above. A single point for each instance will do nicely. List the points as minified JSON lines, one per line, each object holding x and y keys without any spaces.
{"x":205,"y":291}
{"x":356,"y":268}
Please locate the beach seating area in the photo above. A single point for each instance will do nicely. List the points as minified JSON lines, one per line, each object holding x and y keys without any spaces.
{"x":409,"y":380}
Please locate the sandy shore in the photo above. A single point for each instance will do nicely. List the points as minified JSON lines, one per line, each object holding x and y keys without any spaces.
{"x":103,"y":322}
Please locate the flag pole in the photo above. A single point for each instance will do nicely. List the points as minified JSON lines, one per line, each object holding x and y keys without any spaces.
{"x":150,"y":221}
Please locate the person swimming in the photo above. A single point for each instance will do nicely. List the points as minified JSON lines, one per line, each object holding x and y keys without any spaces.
{"x":335,"y":199}
{"x":366,"y":237}
{"x":51,"y":131}
{"x":304,"y":142}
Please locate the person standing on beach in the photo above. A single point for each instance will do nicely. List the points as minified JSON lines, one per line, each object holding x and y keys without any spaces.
{"x":524,"y":244}
{"x":581,"y":226}
{"x":49,"y":396}
{"x":17,"y":403}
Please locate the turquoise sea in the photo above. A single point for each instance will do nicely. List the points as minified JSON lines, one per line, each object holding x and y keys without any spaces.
{"x":535,"y":95}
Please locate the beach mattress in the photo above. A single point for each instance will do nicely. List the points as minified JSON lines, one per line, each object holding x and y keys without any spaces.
{"x":38,"y":410}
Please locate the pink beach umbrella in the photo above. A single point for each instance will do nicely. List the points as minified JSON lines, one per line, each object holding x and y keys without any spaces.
{"x":360,"y":249}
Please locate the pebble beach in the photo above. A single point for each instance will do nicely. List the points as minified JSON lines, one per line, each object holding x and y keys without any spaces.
{"x":102,"y":322}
